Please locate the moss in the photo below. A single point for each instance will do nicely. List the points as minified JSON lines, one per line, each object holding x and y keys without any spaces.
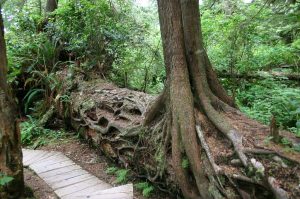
{"x":87,"y":105}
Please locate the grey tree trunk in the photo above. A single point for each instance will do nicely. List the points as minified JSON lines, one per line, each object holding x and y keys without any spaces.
{"x":51,"y":5}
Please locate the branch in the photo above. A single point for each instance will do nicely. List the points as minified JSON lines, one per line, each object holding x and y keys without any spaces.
{"x":265,"y":75}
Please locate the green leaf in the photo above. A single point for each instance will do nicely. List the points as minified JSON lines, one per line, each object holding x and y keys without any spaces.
{"x":5,"y":180}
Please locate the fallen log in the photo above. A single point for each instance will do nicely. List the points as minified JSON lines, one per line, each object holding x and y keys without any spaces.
{"x":111,"y":118}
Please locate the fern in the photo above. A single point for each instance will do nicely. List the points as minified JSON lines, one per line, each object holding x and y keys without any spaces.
{"x":122,"y":175}
{"x":30,"y":96}
{"x":111,"y":170}
{"x":146,"y":188}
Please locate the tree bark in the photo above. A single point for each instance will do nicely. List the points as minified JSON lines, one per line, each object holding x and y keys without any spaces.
{"x":10,"y":141}
{"x":51,"y":5}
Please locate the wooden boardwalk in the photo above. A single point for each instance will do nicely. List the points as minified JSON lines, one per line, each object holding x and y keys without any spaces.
{"x":70,"y":181}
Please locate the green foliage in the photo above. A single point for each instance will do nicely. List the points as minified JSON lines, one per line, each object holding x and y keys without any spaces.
{"x":32,"y":134}
{"x":185,"y":163}
{"x":31,"y":96}
{"x":146,"y":188}
{"x":252,"y":36}
{"x":108,"y":36}
{"x":111,"y":170}
{"x":262,"y":99}
{"x":4,"y":179}
{"x":121,"y":174}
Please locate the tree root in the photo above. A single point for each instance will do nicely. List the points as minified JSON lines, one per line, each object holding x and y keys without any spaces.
{"x":205,"y":146}
{"x":278,"y":192}
{"x":187,"y":188}
{"x":261,"y":151}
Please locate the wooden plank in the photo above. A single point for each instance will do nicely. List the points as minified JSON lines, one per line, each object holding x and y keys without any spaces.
{"x":76,"y":187}
{"x":25,"y":152}
{"x":65,"y":176}
{"x":92,"y":189}
{"x":50,"y":155}
{"x":59,"y":171}
{"x":121,"y":192}
{"x":41,"y":159}
{"x":42,"y":169}
{"x":70,"y":181}
{"x":51,"y":161}
{"x":35,"y":157}
{"x":32,"y":156}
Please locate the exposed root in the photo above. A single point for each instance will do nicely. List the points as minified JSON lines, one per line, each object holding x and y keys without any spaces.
{"x":261,"y":151}
{"x":215,"y":181}
{"x":155,"y":108}
{"x":243,"y":194}
{"x":237,"y":141}
{"x":246,"y":179}
{"x":205,"y":146}
{"x":278,"y":192}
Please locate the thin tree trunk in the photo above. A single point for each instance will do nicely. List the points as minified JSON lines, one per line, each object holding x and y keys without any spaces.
{"x":51,"y":5}
{"x":10,"y":142}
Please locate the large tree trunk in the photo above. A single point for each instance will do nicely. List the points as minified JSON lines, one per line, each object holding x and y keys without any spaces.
{"x":196,"y":102}
{"x":10,"y":142}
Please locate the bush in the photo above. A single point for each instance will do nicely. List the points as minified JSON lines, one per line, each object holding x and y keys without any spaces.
{"x":261,"y":99}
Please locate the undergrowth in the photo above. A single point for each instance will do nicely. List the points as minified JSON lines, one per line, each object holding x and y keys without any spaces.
{"x":5,"y":179}
{"x":34,"y":135}
{"x":262,"y":99}
{"x":122,"y":175}
{"x":146,"y":188}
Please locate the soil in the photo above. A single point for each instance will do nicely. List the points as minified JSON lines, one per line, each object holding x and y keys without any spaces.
{"x":38,"y":187}
{"x":88,"y":158}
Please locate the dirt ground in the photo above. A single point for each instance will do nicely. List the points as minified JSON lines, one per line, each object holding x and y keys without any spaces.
{"x":39,"y":188}
{"x":84,"y":155}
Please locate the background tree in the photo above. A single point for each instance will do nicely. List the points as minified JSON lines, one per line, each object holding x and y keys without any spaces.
{"x":51,"y":5}
{"x":10,"y":142}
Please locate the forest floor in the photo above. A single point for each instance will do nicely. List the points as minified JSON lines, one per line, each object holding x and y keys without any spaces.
{"x":82,"y":154}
